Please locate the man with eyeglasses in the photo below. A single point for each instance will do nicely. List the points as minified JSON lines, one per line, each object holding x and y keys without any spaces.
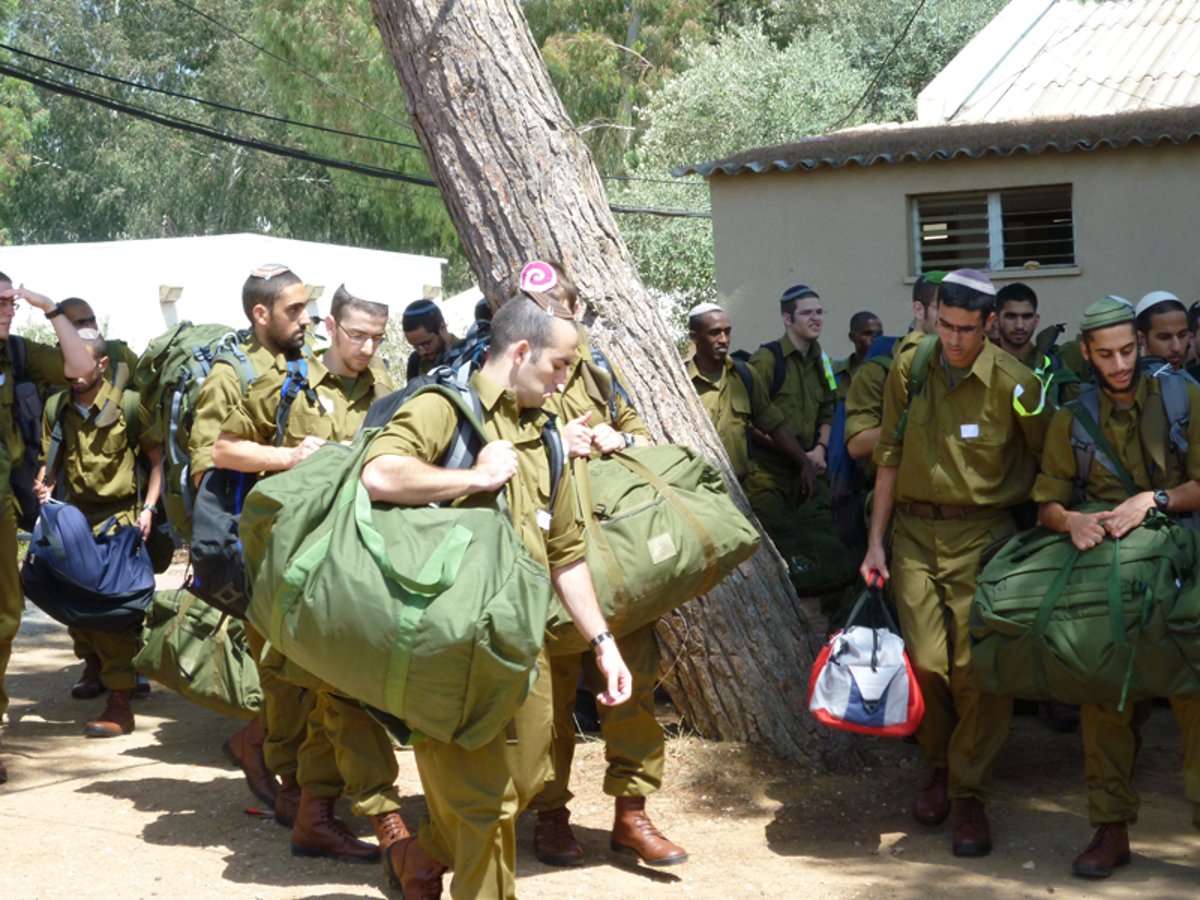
{"x":426,"y":330}
{"x":953,"y":458}
{"x":803,"y":388}
{"x":44,"y":366}
{"x":319,"y":744}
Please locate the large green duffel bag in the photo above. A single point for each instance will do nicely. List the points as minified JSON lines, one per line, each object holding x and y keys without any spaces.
{"x":202,"y":655}
{"x":661,"y":530}
{"x":435,"y":616}
{"x":1118,"y":622}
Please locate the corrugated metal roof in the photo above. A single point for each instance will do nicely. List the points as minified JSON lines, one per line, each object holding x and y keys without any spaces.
{"x":871,"y":145}
{"x":1072,"y":58}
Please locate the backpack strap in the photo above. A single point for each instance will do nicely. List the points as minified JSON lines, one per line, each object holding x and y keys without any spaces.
{"x":18,"y":355}
{"x":780,"y":370}
{"x":56,"y":410}
{"x":918,"y":374}
{"x":1178,"y":410}
{"x":618,"y":389}
{"x":294,"y":384}
{"x":1093,"y":444}
{"x":743,"y":370}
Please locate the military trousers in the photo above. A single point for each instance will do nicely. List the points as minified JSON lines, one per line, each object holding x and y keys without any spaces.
{"x":1109,"y":746}
{"x":348,"y":752}
{"x":115,"y":652}
{"x":633,"y":739}
{"x":12,"y":597}
{"x":475,"y":796}
{"x":286,"y":707}
{"x":933,"y":570}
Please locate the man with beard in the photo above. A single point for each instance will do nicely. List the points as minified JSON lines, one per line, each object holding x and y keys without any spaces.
{"x":426,"y":330}
{"x":1129,"y":407}
{"x":1162,"y":328}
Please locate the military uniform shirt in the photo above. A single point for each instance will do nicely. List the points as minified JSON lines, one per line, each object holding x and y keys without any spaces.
{"x":804,"y":398}
{"x":588,"y":388}
{"x":43,"y":366}
{"x":966,"y":445}
{"x":732,"y":411}
{"x":1151,"y":467}
{"x":424,"y":427}
{"x":95,"y":464}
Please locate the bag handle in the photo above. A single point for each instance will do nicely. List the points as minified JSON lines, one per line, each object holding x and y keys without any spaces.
{"x":595,"y":534}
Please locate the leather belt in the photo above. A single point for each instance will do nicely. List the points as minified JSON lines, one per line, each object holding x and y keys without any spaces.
{"x":945,"y":510}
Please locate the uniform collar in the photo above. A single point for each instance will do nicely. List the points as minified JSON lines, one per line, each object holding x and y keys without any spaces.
{"x":1147,"y":386}
{"x":984,"y":365}
{"x":106,"y":393}
{"x":694,"y":371}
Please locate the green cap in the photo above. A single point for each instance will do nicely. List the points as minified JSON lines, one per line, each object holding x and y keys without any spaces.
{"x":1111,"y":310}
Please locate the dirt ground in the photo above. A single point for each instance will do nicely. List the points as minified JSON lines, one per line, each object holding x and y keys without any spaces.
{"x":161,"y":814}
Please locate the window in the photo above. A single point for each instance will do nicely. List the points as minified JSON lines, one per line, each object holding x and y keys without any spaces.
{"x":1017,"y":228}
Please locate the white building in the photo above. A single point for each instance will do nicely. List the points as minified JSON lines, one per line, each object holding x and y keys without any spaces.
{"x":139,"y":288}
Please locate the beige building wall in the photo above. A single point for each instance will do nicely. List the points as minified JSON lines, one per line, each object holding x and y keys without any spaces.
{"x":848,"y":233}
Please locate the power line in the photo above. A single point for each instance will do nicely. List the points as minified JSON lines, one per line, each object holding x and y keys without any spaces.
{"x":203,"y":101}
{"x":185,"y":125}
{"x":882,"y":66}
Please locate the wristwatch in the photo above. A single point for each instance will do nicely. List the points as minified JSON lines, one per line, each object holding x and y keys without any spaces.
{"x":1161,"y":500}
{"x":629,"y":439}
{"x":56,"y":311}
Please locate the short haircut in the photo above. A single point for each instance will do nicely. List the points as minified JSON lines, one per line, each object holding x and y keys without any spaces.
{"x":266,"y":285}
{"x":1017,"y":292}
{"x":94,"y":341}
{"x":483,"y":310}
{"x":521,"y":319}
{"x":1146,"y":318}
{"x":72,"y":302}
{"x":961,"y":296}
{"x":924,"y":291}
{"x":4,"y":277}
{"x":344,"y":302}
{"x":422,"y":314}
{"x":859,"y":319}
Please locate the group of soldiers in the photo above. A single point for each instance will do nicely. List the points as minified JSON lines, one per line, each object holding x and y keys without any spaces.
{"x":964,"y":428}
{"x":954,"y":466}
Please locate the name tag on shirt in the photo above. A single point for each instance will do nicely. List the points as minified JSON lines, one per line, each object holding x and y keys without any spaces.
{"x":327,"y":404}
{"x":967,"y":432}
{"x":543,"y":520}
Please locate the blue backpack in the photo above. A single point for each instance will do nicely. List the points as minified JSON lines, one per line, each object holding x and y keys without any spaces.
{"x":101,"y":582}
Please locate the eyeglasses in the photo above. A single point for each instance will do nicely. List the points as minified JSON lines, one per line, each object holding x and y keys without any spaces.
{"x":358,"y":338}
{"x":963,"y":330}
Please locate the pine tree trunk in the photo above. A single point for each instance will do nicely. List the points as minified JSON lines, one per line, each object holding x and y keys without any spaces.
{"x":520,"y":185}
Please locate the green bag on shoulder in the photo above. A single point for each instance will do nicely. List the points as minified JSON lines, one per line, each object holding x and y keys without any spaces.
{"x":1119,"y":622}
{"x":660,"y":529}
{"x":434,"y":615}
{"x":201,"y":654}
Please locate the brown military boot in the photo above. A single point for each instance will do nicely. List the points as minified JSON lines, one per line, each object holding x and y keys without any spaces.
{"x":972,"y":837}
{"x":287,"y":801}
{"x":553,"y":840}
{"x":932,"y":802}
{"x":389,"y":828}
{"x":1108,"y":850}
{"x":117,"y":718}
{"x":633,"y":832}
{"x":415,"y":872}
{"x":318,"y":832}
{"x":244,"y":749}
{"x":89,"y":686}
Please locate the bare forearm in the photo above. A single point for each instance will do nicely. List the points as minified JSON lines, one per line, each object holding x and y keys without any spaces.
{"x":238,"y":454}
{"x":575,"y":588}
{"x":883,"y":503}
{"x":154,"y":486}
{"x":1055,"y":517}
{"x":862,"y":445}
{"x":411,"y":481}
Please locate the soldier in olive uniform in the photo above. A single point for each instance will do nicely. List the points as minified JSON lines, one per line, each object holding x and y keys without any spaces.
{"x":426,"y":330}
{"x":966,"y":455}
{"x":864,"y":328}
{"x":122,"y":360}
{"x":735,"y":405}
{"x":96,"y":468}
{"x":599,"y":419}
{"x":474,"y":796}
{"x":44,"y":366}
{"x":318,"y":744}
{"x":1132,"y":420}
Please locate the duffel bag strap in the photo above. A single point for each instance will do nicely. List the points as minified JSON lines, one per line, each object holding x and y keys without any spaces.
{"x":595,"y":534}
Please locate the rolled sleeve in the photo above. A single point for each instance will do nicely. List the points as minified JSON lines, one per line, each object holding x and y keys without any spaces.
{"x":564,"y":541}
{"x":1055,"y":482}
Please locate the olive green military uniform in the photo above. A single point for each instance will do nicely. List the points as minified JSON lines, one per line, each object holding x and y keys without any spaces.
{"x":802,"y":528}
{"x":474,"y":796}
{"x":1062,"y":390}
{"x":417,"y":365}
{"x":44,"y":366}
{"x":1139,"y":436}
{"x":97,"y":472}
{"x":633,"y":739}
{"x":864,"y":400}
{"x":332,"y":746}
{"x":733,"y":410}
{"x":845,"y":371}
{"x":965,"y":459}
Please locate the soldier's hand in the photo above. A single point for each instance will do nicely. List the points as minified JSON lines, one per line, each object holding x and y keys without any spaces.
{"x":817,"y":457}
{"x":607,"y":439}
{"x":874,"y":564}
{"x":578,"y":437}
{"x":33,"y":298}
{"x":615,"y":672}
{"x":496,"y":464}
{"x":1087,"y":530}
{"x":145,"y":521}
{"x":1129,"y":515}
{"x":304,"y":450}
{"x":808,"y":476}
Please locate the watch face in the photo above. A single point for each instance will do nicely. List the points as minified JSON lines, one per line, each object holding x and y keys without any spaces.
{"x":1161,"y":500}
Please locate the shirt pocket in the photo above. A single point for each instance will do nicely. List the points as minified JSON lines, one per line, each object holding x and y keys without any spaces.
{"x":984,"y":453}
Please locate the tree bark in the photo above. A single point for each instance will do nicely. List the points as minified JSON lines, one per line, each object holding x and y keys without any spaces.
{"x":520,"y":184}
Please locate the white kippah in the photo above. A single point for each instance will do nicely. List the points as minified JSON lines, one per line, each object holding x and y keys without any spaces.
{"x":970,"y":278}
{"x":1153,"y":299}
{"x":703,"y":309}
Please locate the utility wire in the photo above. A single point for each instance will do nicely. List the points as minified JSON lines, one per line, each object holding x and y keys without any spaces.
{"x":180,"y":124}
{"x":202,"y":101}
{"x":882,"y":67}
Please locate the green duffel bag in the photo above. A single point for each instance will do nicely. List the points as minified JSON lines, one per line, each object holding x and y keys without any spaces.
{"x":200,"y":654}
{"x":435,"y":616}
{"x":1051,"y":623}
{"x":660,"y":529}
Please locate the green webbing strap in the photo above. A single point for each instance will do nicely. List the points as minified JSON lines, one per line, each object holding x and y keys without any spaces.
{"x":1147,"y":602}
{"x":595,"y":533}
{"x":918,"y":374}
{"x":1093,"y":430}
